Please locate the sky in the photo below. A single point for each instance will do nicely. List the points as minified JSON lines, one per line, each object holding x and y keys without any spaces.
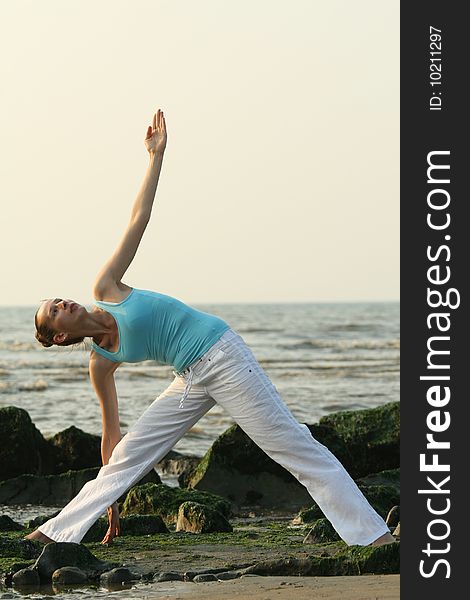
{"x":280,"y":182}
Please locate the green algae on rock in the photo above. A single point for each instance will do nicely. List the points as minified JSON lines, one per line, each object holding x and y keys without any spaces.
{"x":322,"y":531}
{"x":364,"y":441}
{"x":52,"y":490}
{"x":48,"y":490}
{"x":354,"y":560}
{"x":19,"y":548}
{"x":199,"y":518}
{"x":132,"y":525}
{"x":236,"y":468}
{"x":390,"y":477}
{"x":381,"y":497}
{"x":372,"y":436}
{"x":163,"y":500}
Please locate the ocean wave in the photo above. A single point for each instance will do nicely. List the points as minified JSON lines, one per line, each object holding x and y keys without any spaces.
{"x":350,"y":327}
{"x":18,"y":346}
{"x":342,"y":345}
{"x":36,"y":386}
{"x":159,"y":373}
{"x":4,"y":372}
{"x":248,"y":329}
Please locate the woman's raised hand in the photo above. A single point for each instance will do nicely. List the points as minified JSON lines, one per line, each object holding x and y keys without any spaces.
{"x":155,"y":141}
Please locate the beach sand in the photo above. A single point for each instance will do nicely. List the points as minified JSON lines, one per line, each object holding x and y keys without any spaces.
{"x":365,"y":587}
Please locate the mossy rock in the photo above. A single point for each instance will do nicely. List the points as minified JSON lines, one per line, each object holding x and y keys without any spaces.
{"x":354,"y":560}
{"x":199,"y":518}
{"x":23,"y":448}
{"x":130,"y":525}
{"x":365,"y":441}
{"x":7,"y":524}
{"x":67,"y":554}
{"x":321,"y":532}
{"x":381,"y":497}
{"x":372,"y":436}
{"x":310,"y":515}
{"x":236,"y":468}
{"x":53,"y":490}
{"x":19,"y":548}
{"x":163,"y":500}
{"x":40,"y":520}
{"x":48,"y":490}
{"x":391,"y":477}
{"x":75,"y":450}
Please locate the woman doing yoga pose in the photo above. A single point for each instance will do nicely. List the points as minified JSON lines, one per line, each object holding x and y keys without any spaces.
{"x":212,"y":365}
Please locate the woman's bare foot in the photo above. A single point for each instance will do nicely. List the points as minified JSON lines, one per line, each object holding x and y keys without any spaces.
{"x":386,"y":538}
{"x":39,"y":537}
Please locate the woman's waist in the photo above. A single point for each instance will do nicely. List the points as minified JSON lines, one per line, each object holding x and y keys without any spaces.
{"x":227,"y":336}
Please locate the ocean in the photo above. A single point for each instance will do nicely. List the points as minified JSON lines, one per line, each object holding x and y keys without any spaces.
{"x":322,"y":357}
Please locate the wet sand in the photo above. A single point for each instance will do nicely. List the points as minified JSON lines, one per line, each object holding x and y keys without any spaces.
{"x":364,"y":587}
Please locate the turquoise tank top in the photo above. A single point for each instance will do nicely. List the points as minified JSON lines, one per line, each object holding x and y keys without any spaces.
{"x":153,"y":326}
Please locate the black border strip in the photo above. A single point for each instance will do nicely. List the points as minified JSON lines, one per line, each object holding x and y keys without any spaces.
{"x":423,"y":131}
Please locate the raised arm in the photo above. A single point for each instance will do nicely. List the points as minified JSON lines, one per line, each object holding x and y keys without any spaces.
{"x":114,"y":269}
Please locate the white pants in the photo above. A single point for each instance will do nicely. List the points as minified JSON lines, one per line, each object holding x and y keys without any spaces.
{"x":229,"y":375}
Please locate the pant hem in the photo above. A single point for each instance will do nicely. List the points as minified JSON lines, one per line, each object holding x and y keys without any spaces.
{"x":372,"y":538}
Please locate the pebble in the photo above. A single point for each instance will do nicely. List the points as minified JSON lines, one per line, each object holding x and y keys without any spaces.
{"x":205,"y":577}
{"x":69,"y":576}
{"x":168,"y":576}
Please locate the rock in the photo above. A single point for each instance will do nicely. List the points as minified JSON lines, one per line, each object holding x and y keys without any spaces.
{"x":389,"y":477}
{"x":47,"y":490}
{"x":393,"y":517}
{"x":23,"y":448}
{"x":7,"y":524}
{"x":26,"y":577}
{"x":52,"y":490}
{"x":321,"y":532}
{"x":175,"y":463}
{"x":131,"y":525}
{"x":75,"y":450}
{"x":354,"y":560}
{"x":308,"y":515}
{"x":168,"y":576}
{"x":199,"y":518}
{"x":118,"y":576}
{"x":69,"y":576}
{"x":40,"y":520}
{"x":227,"y":575}
{"x":26,"y":549}
{"x":163,"y":500}
{"x":372,"y":437}
{"x":190,"y":575}
{"x":65,"y":554}
{"x":205,"y":577}
{"x":380,"y":497}
{"x":236,"y":468}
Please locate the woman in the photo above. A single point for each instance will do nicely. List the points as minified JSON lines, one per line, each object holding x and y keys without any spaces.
{"x":213,"y":365}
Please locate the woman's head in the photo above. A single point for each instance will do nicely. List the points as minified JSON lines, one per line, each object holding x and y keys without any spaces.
{"x":57,"y":322}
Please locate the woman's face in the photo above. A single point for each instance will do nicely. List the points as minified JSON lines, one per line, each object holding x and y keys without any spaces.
{"x":61,"y":315}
